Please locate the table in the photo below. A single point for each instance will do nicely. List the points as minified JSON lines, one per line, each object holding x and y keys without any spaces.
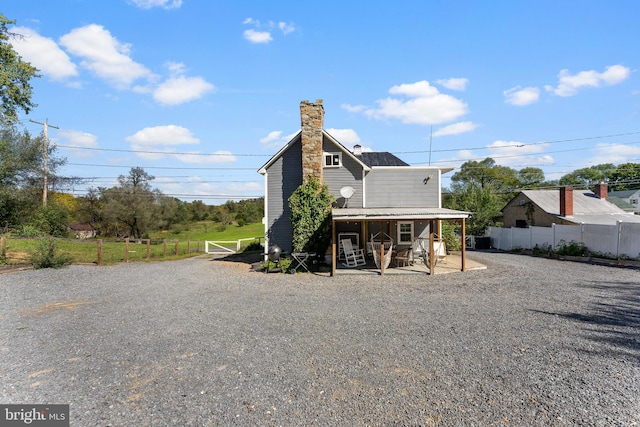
{"x":300,"y":261}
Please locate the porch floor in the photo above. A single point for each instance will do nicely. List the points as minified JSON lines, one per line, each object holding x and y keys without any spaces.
{"x":452,"y":263}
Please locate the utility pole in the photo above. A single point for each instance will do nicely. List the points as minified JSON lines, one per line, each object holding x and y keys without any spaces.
{"x":45,"y":145}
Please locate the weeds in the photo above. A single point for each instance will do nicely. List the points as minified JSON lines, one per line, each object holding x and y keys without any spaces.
{"x":47,"y":256}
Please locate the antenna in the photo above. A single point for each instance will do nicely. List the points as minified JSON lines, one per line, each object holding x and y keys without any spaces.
{"x":347,"y":192}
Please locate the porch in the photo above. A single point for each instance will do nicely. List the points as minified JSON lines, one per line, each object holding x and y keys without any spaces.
{"x":384,"y":220}
{"x":451,"y":264}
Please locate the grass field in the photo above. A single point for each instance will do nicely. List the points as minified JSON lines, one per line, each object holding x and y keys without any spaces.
{"x":177,"y":243}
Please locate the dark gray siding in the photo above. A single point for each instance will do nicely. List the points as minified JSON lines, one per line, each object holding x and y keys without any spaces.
{"x":404,"y":187}
{"x":349,"y":174}
{"x":283,"y":177}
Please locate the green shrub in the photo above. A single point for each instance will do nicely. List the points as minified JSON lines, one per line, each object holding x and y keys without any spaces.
{"x":28,"y":230}
{"x":572,"y":249}
{"x":450,"y":237}
{"x":46,"y":255}
{"x":284,"y":264}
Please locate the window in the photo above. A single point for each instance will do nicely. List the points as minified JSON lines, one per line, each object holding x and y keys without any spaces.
{"x":405,"y":232}
{"x":332,"y":160}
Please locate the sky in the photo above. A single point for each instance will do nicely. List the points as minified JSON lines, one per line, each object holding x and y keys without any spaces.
{"x":201,"y":93}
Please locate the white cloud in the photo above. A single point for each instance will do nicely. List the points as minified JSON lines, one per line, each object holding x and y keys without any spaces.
{"x":262,"y":33}
{"x":79,"y":139}
{"x":275,"y":139}
{"x":520,"y":96}
{"x":455,"y":129}
{"x":508,"y":153}
{"x":257,"y":37}
{"x":160,"y":143}
{"x":568,"y":85}
{"x":615,"y":153}
{"x":180,"y":89}
{"x":454,"y":83}
{"x":160,"y":139}
{"x":217,"y":157}
{"x":286,"y":28}
{"x":353,"y":108}
{"x":104,"y":55}
{"x":44,"y":54}
{"x":165,"y":4}
{"x":344,"y":136}
{"x":425,"y":106}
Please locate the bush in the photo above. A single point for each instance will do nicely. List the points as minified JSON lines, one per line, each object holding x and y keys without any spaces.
{"x":450,"y":238}
{"x":572,"y":249}
{"x":46,"y":255}
{"x":28,"y":230}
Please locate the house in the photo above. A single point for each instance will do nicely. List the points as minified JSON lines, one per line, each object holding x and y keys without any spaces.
{"x":82,"y":230}
{"x":375,"y":192}
{"x":631,"y":197}
{"x":565,"y":206}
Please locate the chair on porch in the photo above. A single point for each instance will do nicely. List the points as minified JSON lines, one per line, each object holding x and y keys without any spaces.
{"x":353,"y":257}
{"x":404,"y":257}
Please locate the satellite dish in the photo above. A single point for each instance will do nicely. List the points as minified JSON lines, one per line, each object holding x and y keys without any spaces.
{"x":347,"y":192}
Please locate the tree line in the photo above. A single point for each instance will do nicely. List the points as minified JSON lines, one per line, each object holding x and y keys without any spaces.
{"x":484,"y":187}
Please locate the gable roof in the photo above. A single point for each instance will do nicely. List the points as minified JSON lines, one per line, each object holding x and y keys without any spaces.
{"x":623,"y":194}
{"x":296,"y":139}
{"x":587,"y":207}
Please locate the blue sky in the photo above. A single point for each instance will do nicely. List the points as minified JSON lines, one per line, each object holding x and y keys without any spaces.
{"x":200,"y":93}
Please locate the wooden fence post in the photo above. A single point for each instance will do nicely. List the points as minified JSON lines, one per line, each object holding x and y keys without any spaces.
{"x":164,"y":248}
{"x":3,"y":247}
{"x":177,"y":246}
{"x":126,"y":250}
{"x":148,"y":248}
{"x":188,"y":247}
{"x":99,"y":251}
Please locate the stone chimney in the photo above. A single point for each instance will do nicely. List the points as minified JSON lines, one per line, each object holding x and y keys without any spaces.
{"x":601,"y":190}
{"x":357,"y":150}
{"x":311,"y":118}
{"x":566,"y":201}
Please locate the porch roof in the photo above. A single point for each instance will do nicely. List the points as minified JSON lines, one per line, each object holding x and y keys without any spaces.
{"x":395,"y":214}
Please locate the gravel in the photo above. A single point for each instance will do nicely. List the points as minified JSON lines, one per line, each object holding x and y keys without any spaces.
{"x":197,"y":342}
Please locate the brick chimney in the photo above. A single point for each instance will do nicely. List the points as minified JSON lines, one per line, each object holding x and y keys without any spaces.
{"x":601,"y":190}
{"x":566,"y":201}
{"x":311,"y":118}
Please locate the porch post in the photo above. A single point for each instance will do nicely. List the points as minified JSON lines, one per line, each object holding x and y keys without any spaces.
{"x":381,"y":248}
{"x":464,"y":245}
{"x":333,"y":247}
{"x":431,"y":252}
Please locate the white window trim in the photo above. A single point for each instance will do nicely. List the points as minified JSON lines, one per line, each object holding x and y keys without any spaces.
{"x":331,"y":154}
{"x":399,"y":234}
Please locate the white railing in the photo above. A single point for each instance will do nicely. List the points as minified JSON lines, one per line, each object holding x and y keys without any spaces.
{"x":226,"y":247}
{"x":620,"y":240}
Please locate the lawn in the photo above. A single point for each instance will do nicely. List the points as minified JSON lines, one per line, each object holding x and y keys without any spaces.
{"x":181,"y":242}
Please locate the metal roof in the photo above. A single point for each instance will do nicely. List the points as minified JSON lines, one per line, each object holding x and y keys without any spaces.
{"x":396,"y":214}
{"x":587,"y":207}
{"x":382,"y":158}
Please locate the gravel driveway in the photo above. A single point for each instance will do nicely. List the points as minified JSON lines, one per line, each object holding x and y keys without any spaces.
{"x":196,"y":342}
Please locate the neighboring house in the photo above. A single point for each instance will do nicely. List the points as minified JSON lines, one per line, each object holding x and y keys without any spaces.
{"x":82,"y":230}
{"x":565,"y":206}
{"x":374,"y":191}
{"x":631,"y":197}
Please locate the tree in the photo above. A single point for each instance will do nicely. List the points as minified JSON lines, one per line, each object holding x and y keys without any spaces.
{"x":485,"y":205}
{"x":15,"y":77}
{"x":131,"y":208}
{"x":484,"y":174}
{"x":310,"y":206}
{"x":586,"y":177}
{"x":625,"y":177}
{"x":530,"y":177}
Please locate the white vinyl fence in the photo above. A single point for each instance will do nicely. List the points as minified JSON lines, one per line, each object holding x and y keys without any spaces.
{"x":620,"y":240}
